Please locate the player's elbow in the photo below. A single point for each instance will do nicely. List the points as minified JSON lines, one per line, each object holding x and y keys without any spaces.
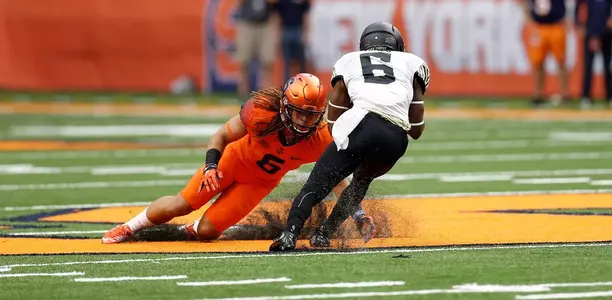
{"x":218,"y":141}
{"x":415,"y":135}
{"x":416,"y":132}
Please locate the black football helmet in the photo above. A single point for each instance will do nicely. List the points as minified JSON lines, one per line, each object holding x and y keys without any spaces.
{"x":381,"y":36}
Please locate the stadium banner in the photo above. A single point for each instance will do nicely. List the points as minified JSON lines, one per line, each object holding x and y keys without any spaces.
{"x":473,"y":47}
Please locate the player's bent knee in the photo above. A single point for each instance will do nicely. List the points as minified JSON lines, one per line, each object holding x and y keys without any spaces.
{"x":179,"y":206}
{"x":207,"y":231}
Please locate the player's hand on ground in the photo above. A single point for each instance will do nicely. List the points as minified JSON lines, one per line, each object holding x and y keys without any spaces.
{"x":210,"y":179}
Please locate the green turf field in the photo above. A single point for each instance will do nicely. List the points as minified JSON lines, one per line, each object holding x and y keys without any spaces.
{"x":547,"y":183}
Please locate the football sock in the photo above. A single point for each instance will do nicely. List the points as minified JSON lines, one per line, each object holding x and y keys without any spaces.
{"x":195,"y":225}
{"x":140,"y":221}
{"x":358,"y":214}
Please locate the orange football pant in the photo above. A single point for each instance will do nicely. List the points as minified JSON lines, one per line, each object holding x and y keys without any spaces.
{"x":240,"y":192}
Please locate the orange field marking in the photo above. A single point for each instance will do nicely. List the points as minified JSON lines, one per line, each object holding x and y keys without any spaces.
{"x":412,"y":222}
{"x":62,"y":145}
{"x":174,"y":110}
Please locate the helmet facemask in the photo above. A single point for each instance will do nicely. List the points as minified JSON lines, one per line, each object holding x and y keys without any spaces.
{"x":300,"y":120}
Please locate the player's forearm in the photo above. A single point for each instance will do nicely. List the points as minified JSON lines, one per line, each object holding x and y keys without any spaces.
{"x":215,"y":149}
{"x":416,"y":115}
{"x":217,"y":142}
{"x":415,"y":132}
{"x":338,"y":103}
{"x":333,"y":113}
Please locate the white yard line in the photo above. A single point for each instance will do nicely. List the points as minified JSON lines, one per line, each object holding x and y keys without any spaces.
{"x":397,"y":196}
{"x":476,"y":286}
{"x":234,"y":282}
{"x":344,"y":284}
{"x":54,"y":232}
{"x":577,"y":295}
{"x":187,"y":169}
{"x":601,"y":182}
{"x":5,"y":269}
{"x":183,"y":169}
{"x":502,"y":144}
{"x":28,"y":169}
{"x":360,"y":295}
{"x":69,"y":206}
{"x":578,"y":136}
{"x":331,"y":253}
{"x":562,"y":180}
{"x":90,"y":185}
{"x":522,"y":157}
{"x":442,"y":145}
{"x":459,"y":289}
{"x":188,"y":130}
{"x":41,"y":274}
{"x":504,"y":193}
{"x":130,"y":278}
{"x":180,"y":152}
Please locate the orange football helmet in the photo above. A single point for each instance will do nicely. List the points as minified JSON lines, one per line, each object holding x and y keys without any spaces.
{"x":303,"y":104}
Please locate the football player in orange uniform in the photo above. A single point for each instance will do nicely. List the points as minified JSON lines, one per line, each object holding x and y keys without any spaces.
{"x":547,"y":30}
{"x":276,"y":131}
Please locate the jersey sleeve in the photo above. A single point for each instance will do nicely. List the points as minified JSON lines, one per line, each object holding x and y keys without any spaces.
{"x":340,"y":70}
{"x":255,"y":119}
{"x":418,"y":69}
{"x":422,"y":75}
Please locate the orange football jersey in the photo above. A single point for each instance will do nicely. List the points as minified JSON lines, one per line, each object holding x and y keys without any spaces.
{"x":265,"y":156}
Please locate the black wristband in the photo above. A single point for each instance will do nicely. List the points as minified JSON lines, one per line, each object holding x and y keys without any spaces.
{"x":212,"y":157}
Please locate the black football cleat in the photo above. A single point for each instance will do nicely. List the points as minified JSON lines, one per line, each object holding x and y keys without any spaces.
{"x":285,"y":242}
{"x":319,"y":240}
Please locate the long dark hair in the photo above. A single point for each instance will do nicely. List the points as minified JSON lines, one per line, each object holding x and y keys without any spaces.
{"x":270,"y":100}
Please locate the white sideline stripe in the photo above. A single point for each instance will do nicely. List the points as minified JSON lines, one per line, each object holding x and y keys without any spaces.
{"x":41,"y":274}
{"x":55,"y":232}
{"x":553,"y":180}
{"x":564,"y":295}
{"x":345,"y":284}
{"x":506,"y":157}
{"x":272,"y":255}
{"x":234,"y":282}
{"x":404,"y":196}
{"x":129,"y":278}
{"x":5,"y":269}
{"x":90,"y":185}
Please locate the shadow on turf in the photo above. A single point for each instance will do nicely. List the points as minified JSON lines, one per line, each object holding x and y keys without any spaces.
{"x":274,"y":222}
